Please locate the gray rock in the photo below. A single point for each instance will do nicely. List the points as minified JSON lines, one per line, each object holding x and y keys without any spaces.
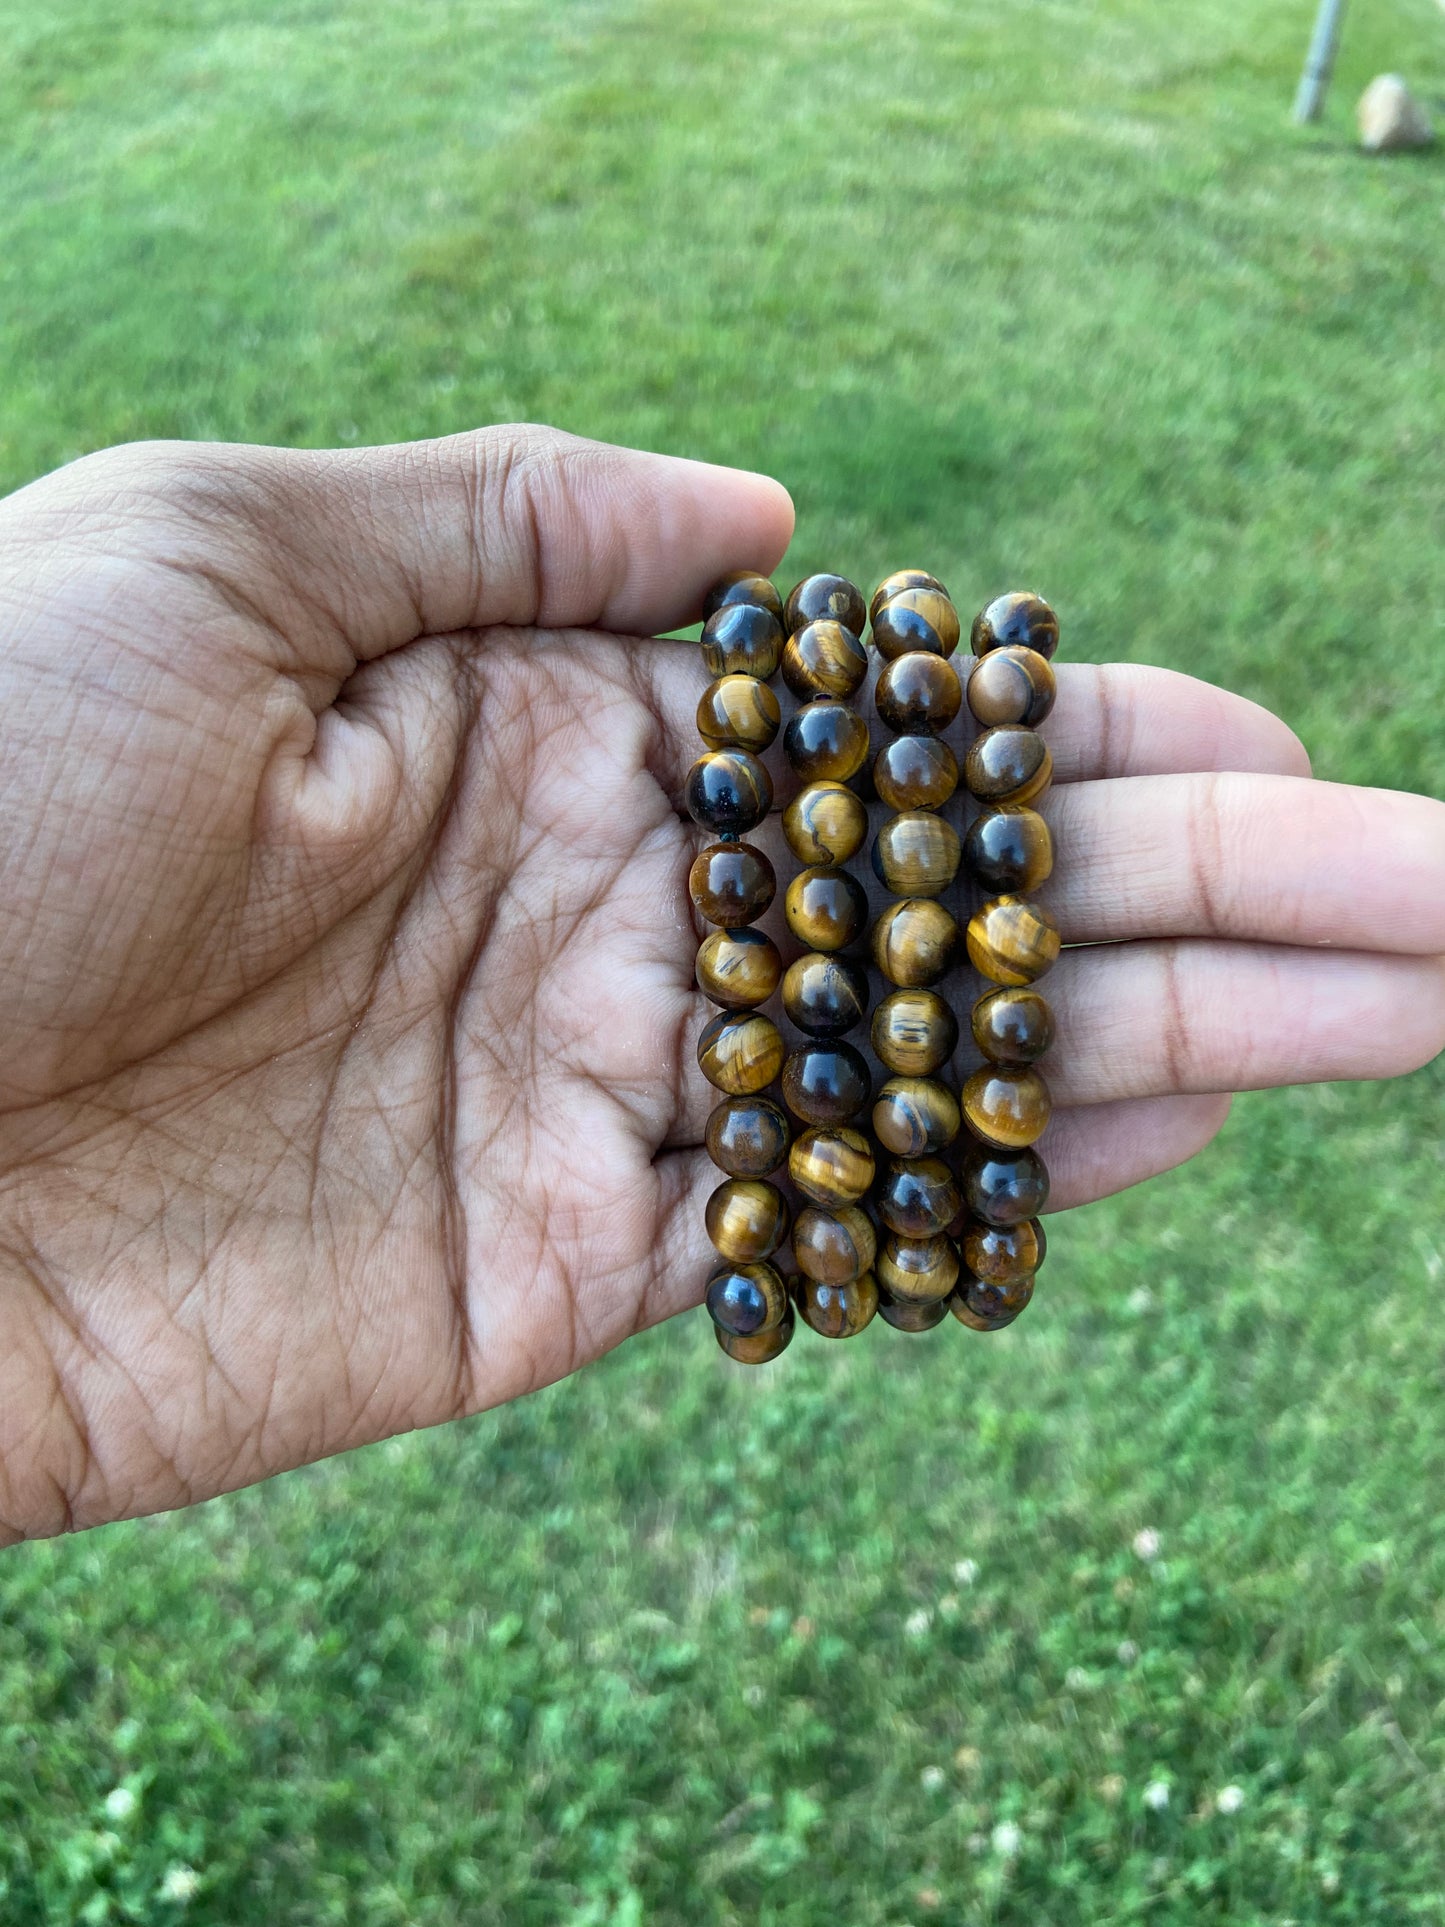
{"x":1390,"y":117}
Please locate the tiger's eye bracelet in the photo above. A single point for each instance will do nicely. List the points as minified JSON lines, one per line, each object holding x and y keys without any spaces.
{"x":962,"y":1237}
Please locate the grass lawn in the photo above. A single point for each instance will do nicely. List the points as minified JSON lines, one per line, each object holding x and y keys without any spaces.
{"x":1047,"y":290}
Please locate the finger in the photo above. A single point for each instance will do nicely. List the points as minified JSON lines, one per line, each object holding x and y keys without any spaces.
{"x":1272,"y":858}
{"x":1128,"y":719}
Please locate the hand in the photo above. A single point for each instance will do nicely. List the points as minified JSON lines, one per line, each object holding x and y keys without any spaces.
{"x":347,"y":1077}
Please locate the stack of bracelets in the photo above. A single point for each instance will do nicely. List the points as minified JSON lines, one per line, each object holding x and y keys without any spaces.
{"x":956,"y":1232}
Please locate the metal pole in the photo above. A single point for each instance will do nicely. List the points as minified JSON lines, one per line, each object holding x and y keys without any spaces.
{"x":1324,"y":42}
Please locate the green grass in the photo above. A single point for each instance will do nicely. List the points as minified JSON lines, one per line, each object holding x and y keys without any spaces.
{"x":1050,"y":291}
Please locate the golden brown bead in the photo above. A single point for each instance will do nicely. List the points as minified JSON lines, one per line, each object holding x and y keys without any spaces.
{"x":914,"y":1032}
{"x":748,"y":1136}
{"x":1011,"y":685}
{"x":916,"y":619}
{"x":914,"y":941}
{"x":1009,"y":851}
{"x":738,"y":712}
{"x":740,"y":1051}
{"x":831,"y":1166}
{"x":998,"y":1252}
{"x":826,"y":1083}
{"x":728,"y":792}
{"x":916,"y":854}
{"x":826,"y":741}
{"x":826,"y":908}
{"x":834,"y":1246}
{"x":920,"y":1270}
{"x":987,"y":1307}
{"x":738,"y":968}
{"x":1003,"y":1187}
{"x":825,"y":823}
{"x":824,"y":995}
{"x":760,"y":1348}
{"x":746,"y":1218}
{"x":819,"y":598}
{"x":744,"y":585}
{"x":1006,"y":1106}
{"x":1011,"y":941}
{"x":1020,"y":617}
{"x":915,"y":773}
{"x":911,"y":1315}
{"x":914,"y":1116}
{"x":824,"y":659}
{"x":917,"y":1197}
{"x":1013,"y":1026}
{"x":743,"y":1299}
{"x":902,"y":579}
{"x":836,"y":1311}
{"x":1008,"y":765}
{"x":918,"y":694}
{"x":741,"y":639}
{"x":731,"y":883}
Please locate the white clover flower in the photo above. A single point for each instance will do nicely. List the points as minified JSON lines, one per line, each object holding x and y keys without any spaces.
{"x":966,"y":1571}
{"x":1126,"y":1652}
{"x":1007,"y":1839}
{"x":1140,"y":1300}
{"x":1147,"y":1545}
{"x":120,"y":1803}
{"x":1077,"y":1680}
{"x":1156,"y":1796}
{"x":931,"y":1779}
{"x":180,"y":1883}
{"x":917,"y":1624}
{"x":1230,"y":1799}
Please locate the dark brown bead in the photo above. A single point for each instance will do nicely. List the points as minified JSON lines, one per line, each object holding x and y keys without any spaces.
{"x":1011,"y":941}
{"x":916,"y":854}
{"x":825,"y":996}
{"x":819,"y":598}
{"x":746,"y":1218}
{"x":916,"y":619}
{"x":922,"y":1270}
{"x":1003,"y":1187}
{"x":738,"y":968}
{"x":760,"y":1348}
{"x":745,"y":586}
{"x":731,"y":883}
{"x":833,"y":1166}
{"x":741,"y":639}
{"x":997,"y":1252}
{"x":728,"y":792}
{"x":825,"y":823}
{"x":1009,"y":764}
{"x":1007,"y":1106}
{"x":917,"y":1197}
{"x":834,"y":1246}
{"x":836,"y":1311}
{"x":902,"y":579}
{"x":914,"y":1116}
{"x":826,"y":908}
{"x":1013,"y":1026}
{"x":914,"y":1032}
{"x":826,"y":741}
{"x":1009,"y":851}
{"x":911,"y":1315}
{"x":914,"y":941}
{"x":826,"y":1083}
{"x":740,"y":1051}
{"x":985,"y":1306}
{"x":743,"y":1299}
{"x":1011,"y":685}
{"x":915,"y":773}
{"x":918,"y":694}
{"x":824,"y":659}
{"x":738,"y":712}
{"x":748,"y":1136}
{"x":1020,"y":617}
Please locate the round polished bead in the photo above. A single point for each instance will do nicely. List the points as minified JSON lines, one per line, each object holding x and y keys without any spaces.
{"x":759,"y":1348}
{"x":738,"y":968}
{"x":746,"y":1218}
{"x":1013,"y":1026}
{"x":824,"y":659}
{"x":985,"y":1306}
{"x":917,"y":1197}
{"x":919,"y":1269}
{"x":914,"y":1116}
{"x":1009,"y":764}
{"x":832,"y":1166}
{"x":914,"y":941}
{"x":1011,"y":941}
{"x":748,"y":1298}
{"x":1020,"y":617}
{"x":1007,"y":1106}
{"x":916,"y":619}
{"x":918,"y":694}
{"x":1011,"y":685}
{"x":731,"y":883}
{"x":834,"y":1246}
{"x":914,"y":1031}
{"x":744,"y":586}
{"x":742,"y":639}
{"x":825,"y":823}
{"x":836,"y":1311}
{"x":916,"y":854}
{"x":825,"y":996}
{"x":748,"y":1136}
{"x":740,"y":1052}
{"x":915,"y":773}
{"x":826,"y":741}
{"x":1003,"y":1187}
{"x":728,"y":792}
{"x":902,"y":579}
{"x":820,"y":598}
{"x":738,"y":712}
{"x":998,"y":1252}
{"x":826,"y":1083}
{"x":826,"y":908}
{"x":1009,"y":851}
{"x":911,"y":1314}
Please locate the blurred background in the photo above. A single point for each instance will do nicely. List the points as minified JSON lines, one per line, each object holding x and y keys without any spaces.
{"x":1134,"y":1613}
